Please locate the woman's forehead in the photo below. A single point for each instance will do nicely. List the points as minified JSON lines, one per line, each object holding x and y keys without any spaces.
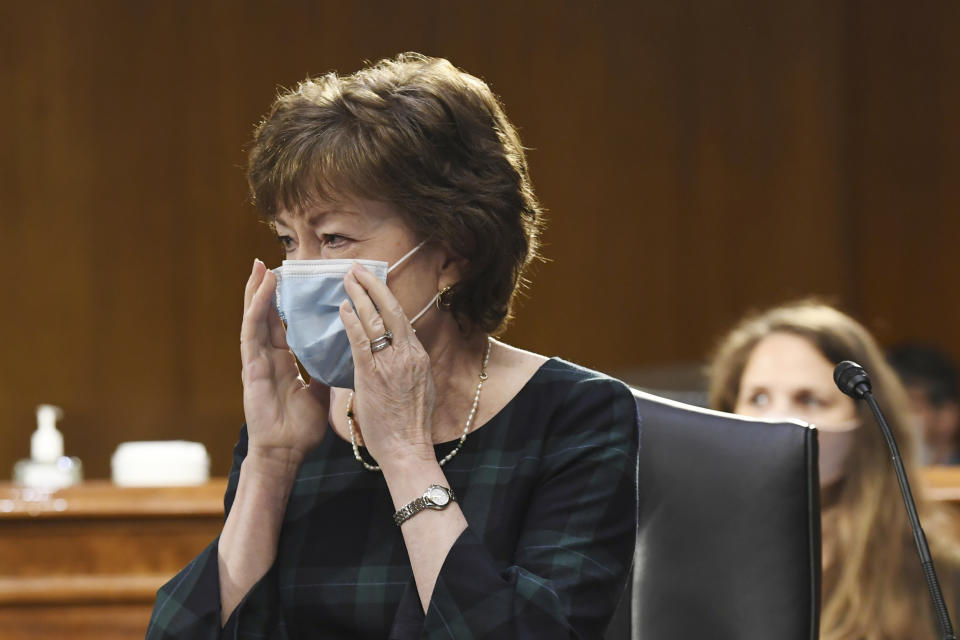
{"x":358,"y":210}
{"x":788,"y":360}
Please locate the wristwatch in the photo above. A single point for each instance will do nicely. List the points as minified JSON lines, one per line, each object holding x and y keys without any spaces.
{"x":435,"y":497}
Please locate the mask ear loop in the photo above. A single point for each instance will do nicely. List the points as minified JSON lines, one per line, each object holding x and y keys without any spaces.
{"x":399,"y":262}
{"x":436,"y":300}
{"x":405,"y":256}
{"x":423,"y":311}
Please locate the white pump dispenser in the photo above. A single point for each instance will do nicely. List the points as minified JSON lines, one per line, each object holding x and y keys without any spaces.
{"x":46,"y":443}
{"x":47,"y":467}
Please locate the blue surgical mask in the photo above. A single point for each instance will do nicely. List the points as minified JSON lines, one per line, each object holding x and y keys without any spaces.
{"x":308,"y":297}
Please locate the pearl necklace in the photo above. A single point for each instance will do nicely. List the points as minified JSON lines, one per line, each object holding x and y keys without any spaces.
{"x":463,"y":436}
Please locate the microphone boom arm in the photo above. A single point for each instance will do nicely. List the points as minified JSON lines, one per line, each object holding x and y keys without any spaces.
{"x":923,"y":549}
{"x":852,"y":380}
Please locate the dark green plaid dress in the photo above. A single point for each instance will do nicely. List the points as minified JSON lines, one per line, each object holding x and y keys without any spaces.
{"x":548,"y":488}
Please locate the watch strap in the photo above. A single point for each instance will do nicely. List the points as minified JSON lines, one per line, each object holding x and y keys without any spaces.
{"x":422,"y":503}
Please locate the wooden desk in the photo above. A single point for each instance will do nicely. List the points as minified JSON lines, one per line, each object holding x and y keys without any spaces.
{"x":942,"y":484}
{"x":86,"y":562}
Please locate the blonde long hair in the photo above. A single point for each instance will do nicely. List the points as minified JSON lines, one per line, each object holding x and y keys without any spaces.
{"x":874,"y":588}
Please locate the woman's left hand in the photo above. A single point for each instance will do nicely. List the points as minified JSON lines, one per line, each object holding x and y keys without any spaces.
{"x":394,"y":392}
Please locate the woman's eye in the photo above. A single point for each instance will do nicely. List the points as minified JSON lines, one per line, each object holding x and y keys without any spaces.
{"x":760,"y":399}
{"x":809,"y":400}
{"x":333,"y":240}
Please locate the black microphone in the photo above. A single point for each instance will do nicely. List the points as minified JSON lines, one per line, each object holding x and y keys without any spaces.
{"x":854,"y":381}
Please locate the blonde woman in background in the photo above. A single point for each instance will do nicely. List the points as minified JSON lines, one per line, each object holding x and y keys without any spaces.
{"x":779,"y":364}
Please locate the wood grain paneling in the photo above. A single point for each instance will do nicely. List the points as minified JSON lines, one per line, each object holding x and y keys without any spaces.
{"x":86,"y":562}
{"x":904,"y":141}
{"x":697,"y":159}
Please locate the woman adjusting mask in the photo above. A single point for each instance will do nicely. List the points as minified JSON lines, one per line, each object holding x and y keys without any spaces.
{"x":417,"y":468}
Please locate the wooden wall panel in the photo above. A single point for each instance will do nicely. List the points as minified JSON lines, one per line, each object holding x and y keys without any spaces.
{"x":697,"y":159}
{"x":904,"y":141}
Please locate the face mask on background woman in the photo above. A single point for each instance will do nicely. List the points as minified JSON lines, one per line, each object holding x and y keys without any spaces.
{"x":834,"y":444}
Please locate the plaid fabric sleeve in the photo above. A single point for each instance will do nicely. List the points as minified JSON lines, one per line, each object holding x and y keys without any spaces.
{"x":188,"y":606}
{"x":572,"y":559}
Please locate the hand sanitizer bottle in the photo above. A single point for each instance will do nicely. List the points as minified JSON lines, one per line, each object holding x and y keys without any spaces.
{"x":47,"y":467}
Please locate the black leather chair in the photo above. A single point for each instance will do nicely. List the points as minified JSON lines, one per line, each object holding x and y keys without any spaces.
{"x":729,"y":541}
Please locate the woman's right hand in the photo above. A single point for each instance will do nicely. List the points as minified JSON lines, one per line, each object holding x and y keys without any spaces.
{"x":285,"y":417}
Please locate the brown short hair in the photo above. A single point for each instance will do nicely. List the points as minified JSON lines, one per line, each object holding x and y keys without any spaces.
{"x":426,"y":137}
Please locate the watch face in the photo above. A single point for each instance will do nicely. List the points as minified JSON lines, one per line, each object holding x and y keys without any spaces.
{"x":438,"y":496}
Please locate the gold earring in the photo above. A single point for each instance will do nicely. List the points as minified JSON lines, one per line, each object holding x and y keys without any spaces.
{"x":441,"y":303}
